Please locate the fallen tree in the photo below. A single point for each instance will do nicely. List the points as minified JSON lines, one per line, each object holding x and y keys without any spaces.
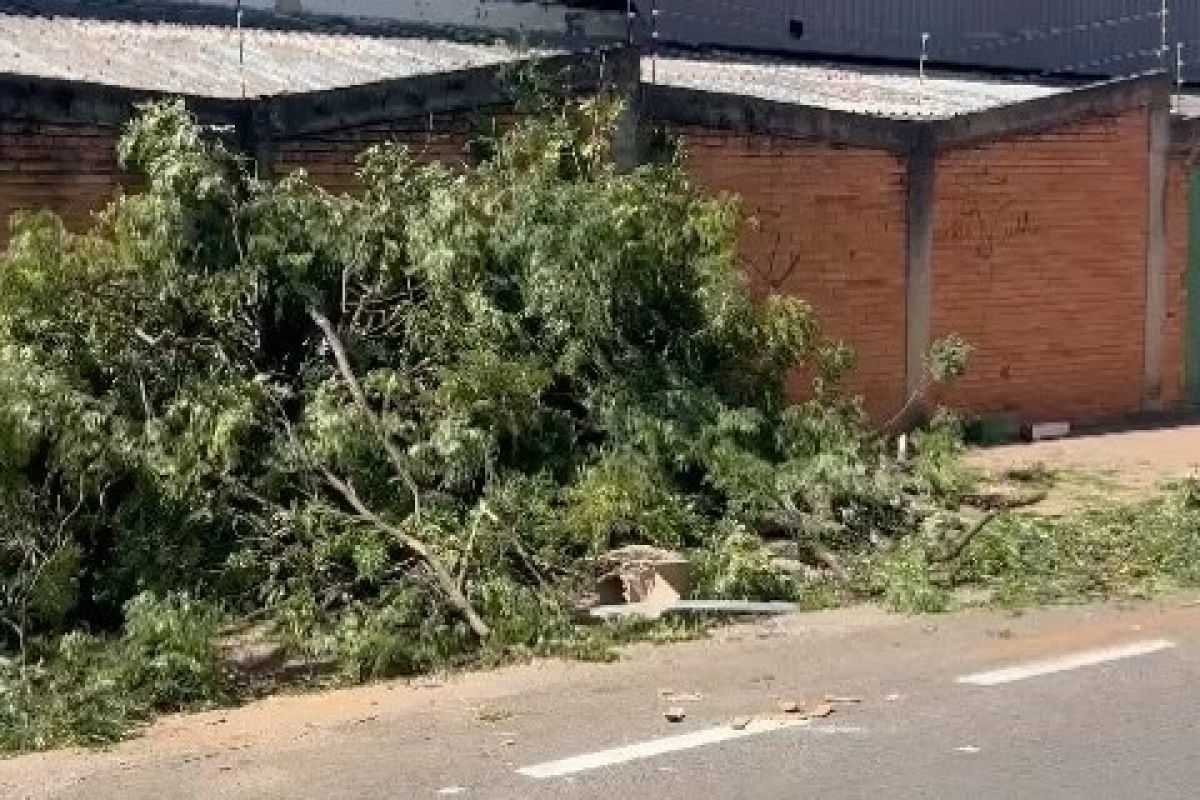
{"x":399,"y":423}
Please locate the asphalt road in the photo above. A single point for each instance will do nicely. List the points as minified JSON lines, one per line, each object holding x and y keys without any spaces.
{"x":1092,"y":703}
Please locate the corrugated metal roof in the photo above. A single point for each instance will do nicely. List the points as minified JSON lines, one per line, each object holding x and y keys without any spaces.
{"x":205,"y":60}
{"x":872,"y":92}
{"x":1109,"y":38}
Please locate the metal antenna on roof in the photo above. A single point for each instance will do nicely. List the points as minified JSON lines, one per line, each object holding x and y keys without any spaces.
{"x":654,"y":41}
{"x":1164,"y":15}
{"x":1178,"y":74}
{"x":241,"y":49}
{"x":924,"y":55}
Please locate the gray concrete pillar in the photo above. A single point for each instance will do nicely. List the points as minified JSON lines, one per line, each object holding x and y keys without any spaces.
{"x":921,"y":173}
{"x":1156,"y":251}
{"x":622,"y":75}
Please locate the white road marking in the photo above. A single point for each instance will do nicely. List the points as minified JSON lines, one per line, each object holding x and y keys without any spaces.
{"x":1063,"y":664}
{"x":669,"y":744}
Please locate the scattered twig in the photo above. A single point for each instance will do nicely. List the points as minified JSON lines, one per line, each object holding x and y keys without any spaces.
{"x":830,"y":560}
{"x":959,"y":547}
{"x":909,"y":414}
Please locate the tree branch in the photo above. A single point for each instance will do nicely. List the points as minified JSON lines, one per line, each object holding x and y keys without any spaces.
{"x":959,"y":547}
{"x":904,"y":419}
{"x":360,"y":399}
{"x":445,"y":580}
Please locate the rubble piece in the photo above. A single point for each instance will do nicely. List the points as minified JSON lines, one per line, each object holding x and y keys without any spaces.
{"x":493,"y":714}
{"x":840,"y":700}
{"x":1042,"y":431}
{"x":656,"y":610}
{"x":741,"y":723}
{"x":790,"y":707}
{"x":823,"y":710}
{"x":675,"y":714}
{"x":643,"y":574}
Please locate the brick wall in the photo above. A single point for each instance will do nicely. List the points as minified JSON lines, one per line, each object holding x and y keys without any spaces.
{"x":331,"y":158}
{"x":70,"y":169}
{"x":830,"y":230}
{"x":1039,"y":251}
{"x":1039,"y":262}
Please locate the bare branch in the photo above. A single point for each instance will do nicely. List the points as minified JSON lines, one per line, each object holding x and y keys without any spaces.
{"x":959,"y":547}
{"x":830,"y":560}
{"x":904,"y":419}
{"x":445,"y":580}
{"x":360,"y":399}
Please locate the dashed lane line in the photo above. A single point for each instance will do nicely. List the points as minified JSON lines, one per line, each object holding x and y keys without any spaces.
{"x":669,"y":744}
{"x":1066,"y":663}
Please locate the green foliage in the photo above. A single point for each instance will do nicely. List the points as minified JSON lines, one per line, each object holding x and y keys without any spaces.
{"x":907,"y":581}
{"x":1136,"y":551}
{"x":938,"y":467}
{"x":88,"y":690}
{"x":622,"y":500}
{"x":738,"y":567}
{"x":366,"y":417}
{"x":171,"y":648}
{"x":1025,"y":559}
{"x":947,"y":358}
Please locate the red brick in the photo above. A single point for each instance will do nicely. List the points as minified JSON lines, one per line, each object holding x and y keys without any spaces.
{"x":830,"y":229}
{"x":1039,"y":262}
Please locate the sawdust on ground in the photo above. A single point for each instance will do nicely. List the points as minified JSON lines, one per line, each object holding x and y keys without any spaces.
{"x":293,"y":722}
{"x":1119,"y":466}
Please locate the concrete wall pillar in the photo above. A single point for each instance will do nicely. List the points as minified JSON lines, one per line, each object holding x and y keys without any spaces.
{"x":1156,"y":251}
{"x":921,"y":173}
{"x":622,"y":73}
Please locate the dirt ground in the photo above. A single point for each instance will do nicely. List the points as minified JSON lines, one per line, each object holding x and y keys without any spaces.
{"x":1106,"y":467}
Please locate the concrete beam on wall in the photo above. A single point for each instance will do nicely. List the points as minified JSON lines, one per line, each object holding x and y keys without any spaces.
{"x":465,"y":90}
{"x":919,"y":216}
{"x":57,"y":101}
{"x":1052,"y":111}
{"x":742,"y":114}
{"x":1159,"y":146}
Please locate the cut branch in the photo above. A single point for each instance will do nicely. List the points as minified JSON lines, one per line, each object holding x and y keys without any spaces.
{"x":955,"y":552}
{"x":830,"y":560}
{"x":910,"y":414}
{"x":441,"y":575}
{"x":360,"y":399}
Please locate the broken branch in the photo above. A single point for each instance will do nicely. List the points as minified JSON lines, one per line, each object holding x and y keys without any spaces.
{"x":360,"y":399}
{"x":441,"y":575}
{"x":955,"y":552}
